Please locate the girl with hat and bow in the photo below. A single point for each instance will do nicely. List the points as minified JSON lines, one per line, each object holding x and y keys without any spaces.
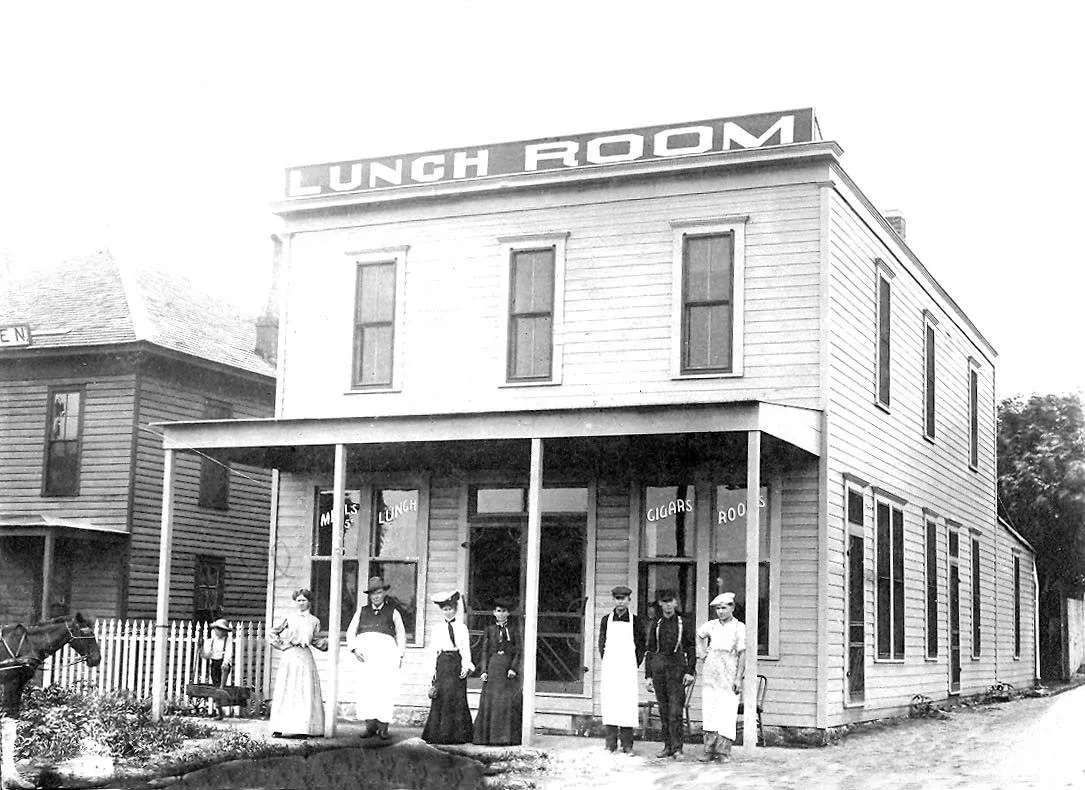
{"x":449,"y":718}
{"x":378,"y":640}
{"x":218,"y":650}
{"x":722,"y":644}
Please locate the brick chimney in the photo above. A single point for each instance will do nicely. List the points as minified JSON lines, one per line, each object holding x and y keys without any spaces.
{"x":267,"y":325}
{"x":896,"y":221}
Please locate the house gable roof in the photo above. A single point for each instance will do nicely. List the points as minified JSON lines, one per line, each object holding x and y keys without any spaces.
{"x":92,"y":301}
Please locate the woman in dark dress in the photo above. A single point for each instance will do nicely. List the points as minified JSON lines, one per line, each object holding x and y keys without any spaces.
{"x":449,"y":718}
{"x":500,"y":708}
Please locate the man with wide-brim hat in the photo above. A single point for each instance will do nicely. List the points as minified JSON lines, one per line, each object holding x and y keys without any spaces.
{"x":377,"y":639}
{"x":622,"y":644}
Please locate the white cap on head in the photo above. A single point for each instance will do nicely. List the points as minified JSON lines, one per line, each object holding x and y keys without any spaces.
{"x":727,"y":597}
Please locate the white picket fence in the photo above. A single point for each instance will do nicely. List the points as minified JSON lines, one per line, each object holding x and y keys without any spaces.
{"x":128,"y":659}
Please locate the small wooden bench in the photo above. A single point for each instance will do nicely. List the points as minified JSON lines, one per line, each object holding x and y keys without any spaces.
{"x":226,"y":696}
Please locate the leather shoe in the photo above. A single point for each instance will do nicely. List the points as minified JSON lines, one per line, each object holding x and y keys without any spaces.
{"x":667,"y":751}
{"x":383,"y":732}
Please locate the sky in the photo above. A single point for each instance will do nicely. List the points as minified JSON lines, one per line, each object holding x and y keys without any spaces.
{"x":161,"y":132}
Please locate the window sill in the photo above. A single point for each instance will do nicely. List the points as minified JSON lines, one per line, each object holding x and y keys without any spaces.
{"x":855,"y":704}
{"x":931,"y":659}
{"x":929,"y":438}
{"x":373,"y":391}
{"x":897,"y":661}
{"x":540,"y":383}
{"x":688,"y":376}
{"x":884,"y":407}
{"x":973,"y":468}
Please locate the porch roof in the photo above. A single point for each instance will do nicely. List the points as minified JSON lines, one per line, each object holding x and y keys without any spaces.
{"x":40,"y":523}
{"x":795,"y":425}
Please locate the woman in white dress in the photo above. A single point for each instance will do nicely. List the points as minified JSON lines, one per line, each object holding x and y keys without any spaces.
{"x":722,"y":644}
{"x":296,"y":706}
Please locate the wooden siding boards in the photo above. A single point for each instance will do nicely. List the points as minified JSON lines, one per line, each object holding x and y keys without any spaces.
{"x":889,"y":451}
{"x":618,"y":252}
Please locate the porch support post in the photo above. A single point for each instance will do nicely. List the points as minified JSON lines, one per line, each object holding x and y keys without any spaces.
{"x":165,"y":557}
{"x":753,"y":547}
{"x":335,"y":605}
{"x":531,"y":595}
{"x":47,"y":571}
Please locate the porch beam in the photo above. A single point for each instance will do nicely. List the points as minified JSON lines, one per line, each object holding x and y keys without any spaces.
{"x":753,"y":559}
{"x":531,"y":594}
{"x":165,"y":557}
{"x":335,"y":605}
{"x":47,"y":552}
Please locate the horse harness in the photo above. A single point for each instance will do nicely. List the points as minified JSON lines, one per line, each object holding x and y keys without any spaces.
{"x":18,"y":660}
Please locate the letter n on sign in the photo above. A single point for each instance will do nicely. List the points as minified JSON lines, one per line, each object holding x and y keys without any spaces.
{"x":14,"y":336}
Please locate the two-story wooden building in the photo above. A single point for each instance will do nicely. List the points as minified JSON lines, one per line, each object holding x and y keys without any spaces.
{"x":94,"y":356}
{"x":690,"y":356}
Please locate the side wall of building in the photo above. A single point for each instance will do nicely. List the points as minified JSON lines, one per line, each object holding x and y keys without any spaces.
{"x":237,"y":535}
{"x":887,"y":455}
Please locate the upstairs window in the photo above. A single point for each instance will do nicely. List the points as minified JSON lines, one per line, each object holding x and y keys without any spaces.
{"x":531,"y":314}
{"x":708,"y":287}
{"x":889,"y":560}
{"x":929,"y":365}
{"x":63,"y":437}
{"x":973,"y":414}
{"x":884,"y":328}
{"x":215,"y":474}
{"x":374,"y":324}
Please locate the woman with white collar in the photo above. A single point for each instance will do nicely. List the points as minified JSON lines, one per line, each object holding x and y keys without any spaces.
{"x":449,"y":718}
{"x":722,"y":644}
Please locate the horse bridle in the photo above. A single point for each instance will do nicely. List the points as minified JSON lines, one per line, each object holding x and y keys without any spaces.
{"x":74,"y":636}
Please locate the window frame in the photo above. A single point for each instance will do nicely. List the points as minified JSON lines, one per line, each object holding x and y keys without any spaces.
{"x":856,"y":529}
{"x":973,"y":414}
{"x":897,"y":629}
{"x":509,"y":246}
{"x":931,"y":599}
{"x":313,"y":557}
{"x":975,"y":561}
{"x":397,"y":257}
{"x":883,"y":276}
{"x":51,"y":393}
{"x":1016,"y":605}
{"x":930,"y":375}
{"x":210,"y":466}
{"x":217,"y":561}
{"x":735,"y":226}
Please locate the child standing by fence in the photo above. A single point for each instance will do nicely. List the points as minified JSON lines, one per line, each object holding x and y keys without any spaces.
{"x":218,"y":649}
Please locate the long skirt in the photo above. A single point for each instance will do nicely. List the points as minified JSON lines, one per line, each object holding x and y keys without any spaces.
{"x":500,"y":709}
{"x":296,"y":707}
{"x":449,"y":717}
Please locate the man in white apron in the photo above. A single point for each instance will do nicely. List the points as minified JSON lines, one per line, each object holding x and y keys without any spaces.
{"x":377,"y":639}
{"x":622,"y":642}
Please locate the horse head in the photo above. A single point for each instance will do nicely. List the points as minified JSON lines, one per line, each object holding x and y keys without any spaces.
{"x":82,"y":639}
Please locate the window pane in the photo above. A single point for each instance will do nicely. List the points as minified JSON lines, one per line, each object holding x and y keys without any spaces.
{"x":655,"y":576}
{"x":322,"y":532}
{"x":62,"y":473}
{"x":668,"y":522}
{"x":977,"y":593}
{"x":708,"y":268}
{"x":973,"y":417}
{"x":930,"y":382}
{"x":932,"y":588}
{"x":321,"y":586}
{"x":728,"y":541}
{"x":883,"y":340}
{"x":855,"y":508}
{"x":403,"y":576}
{"x":500,"y":500}
{"x":532,"y":347}
{"x":65,"y":417}
{"x":731,"y":577}
{"x":856,"y":609}
{"x":533,"y":281}
{"x":565,"y":500}
{"x":884,"y":591}
{"x":375,"y":363}
{"x":708,"y":336}
{"x":376,"y":292}
{"x":898,"y":583}
{"x":395,"y":523}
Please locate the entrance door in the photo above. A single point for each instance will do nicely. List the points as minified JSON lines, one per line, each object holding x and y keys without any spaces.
{"x":497,"y":568}
{"x":954,"y":614}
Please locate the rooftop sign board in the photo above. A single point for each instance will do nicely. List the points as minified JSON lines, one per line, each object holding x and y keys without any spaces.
{"x":553,"y":153}
{"x":14,"y":336}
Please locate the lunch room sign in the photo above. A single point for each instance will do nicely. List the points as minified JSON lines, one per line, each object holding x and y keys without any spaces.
{"x":553,"y":153}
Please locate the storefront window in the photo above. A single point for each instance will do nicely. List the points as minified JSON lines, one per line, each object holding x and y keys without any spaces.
{"x":727,"y":566}
{"x":394,"y":552}
{"x":667,"y":547}
{"x":321,"y":574}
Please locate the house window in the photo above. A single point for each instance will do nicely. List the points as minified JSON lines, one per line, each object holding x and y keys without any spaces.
{"x":889,"y":601}
{"x":210,"y":588}
{"x":976,"y":594}
{"x":932,"y":588}
{"x":396,"y":542}
{"x":727,"y":559}
{"x":884,"y":355}
{"x":856,"y":671}
{"x":374,"y":324}
{"x":929,"y":364}
{"x":215,"y":474}
{"x":668,"y":548}
{"x":708,"y":272}
{"x":321,"y":556}
{"x":1016,"y":606}
{"x":64,"y":431}
{"x":533,"y":275}
{"x":531,"y":314}
{"x":973,"y":414}
{"x":954,"y":595}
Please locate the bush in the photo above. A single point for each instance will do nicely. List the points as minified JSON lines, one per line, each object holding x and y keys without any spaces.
{"x":59,"y":723}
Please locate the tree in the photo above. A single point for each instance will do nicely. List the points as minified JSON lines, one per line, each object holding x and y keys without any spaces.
{"x":1041,"y":493}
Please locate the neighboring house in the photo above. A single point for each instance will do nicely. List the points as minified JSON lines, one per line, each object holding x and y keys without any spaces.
{"x":618,"y":337}
{"x":93,"y":357}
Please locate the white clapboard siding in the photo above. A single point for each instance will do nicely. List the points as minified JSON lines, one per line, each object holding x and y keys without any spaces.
{"x":616,"y":299}
{"x":128,"y":648}
{"x":888,"y":450}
